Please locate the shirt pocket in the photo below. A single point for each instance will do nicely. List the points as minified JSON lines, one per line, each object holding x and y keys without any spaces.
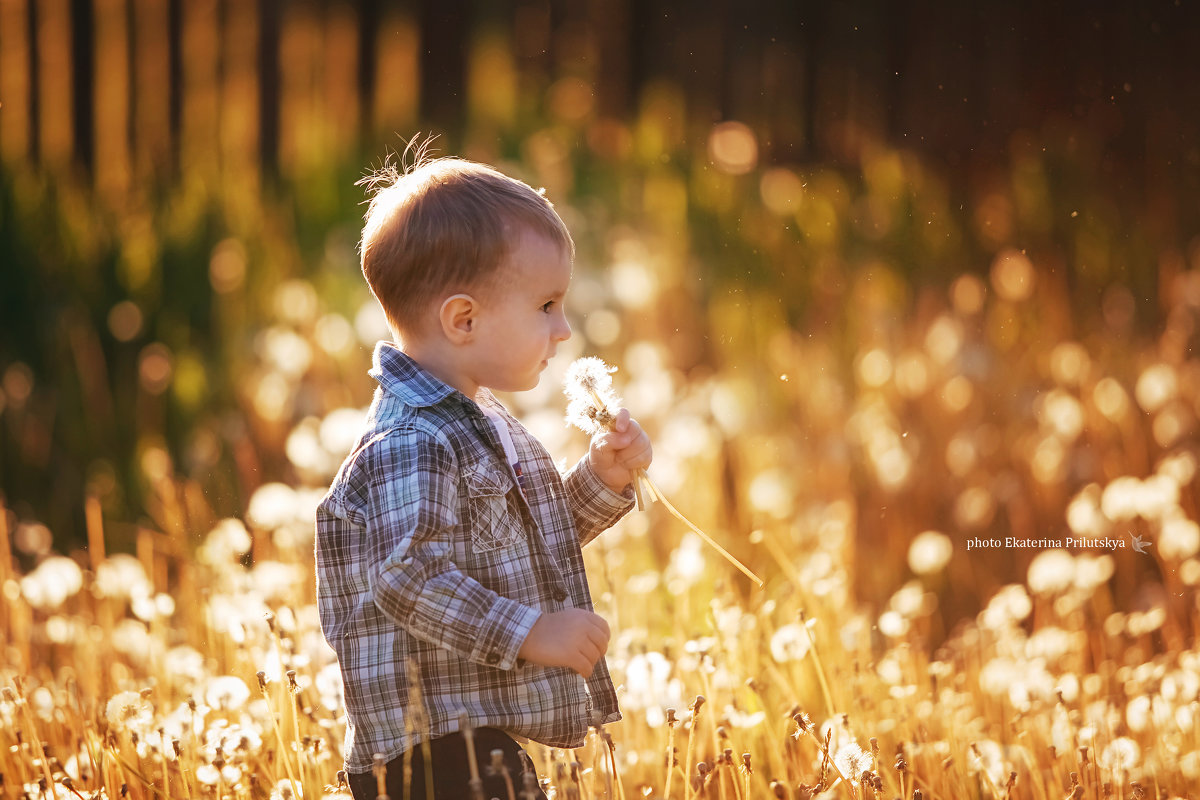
{"x":493,"y":527}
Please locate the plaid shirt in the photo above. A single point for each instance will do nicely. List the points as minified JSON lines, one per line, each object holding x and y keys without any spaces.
{"x":432,"y":567}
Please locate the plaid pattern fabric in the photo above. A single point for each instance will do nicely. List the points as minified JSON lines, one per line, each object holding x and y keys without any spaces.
{"x":432,"y":568}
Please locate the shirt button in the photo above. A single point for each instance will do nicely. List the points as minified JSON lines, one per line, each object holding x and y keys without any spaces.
{"x":560,"y":594}
{"x":493,"y":658}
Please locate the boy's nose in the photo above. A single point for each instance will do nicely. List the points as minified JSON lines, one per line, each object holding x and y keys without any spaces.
{"x":564,"y":329}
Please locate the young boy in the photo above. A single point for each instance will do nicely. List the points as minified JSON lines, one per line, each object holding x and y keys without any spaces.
{"x":449,"y":573}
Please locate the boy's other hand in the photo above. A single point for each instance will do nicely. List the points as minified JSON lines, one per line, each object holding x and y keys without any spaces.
{"x":617,"y":454}
{"x":571,"y":638}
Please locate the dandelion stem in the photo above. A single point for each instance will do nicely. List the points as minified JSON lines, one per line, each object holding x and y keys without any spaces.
{"x":691,"y":744}
{"x":679,"y":516}
{"x":283,"y":745}
{"x":670,"y":752}
{"x":34,"y":737}
{"x":812,"y":648}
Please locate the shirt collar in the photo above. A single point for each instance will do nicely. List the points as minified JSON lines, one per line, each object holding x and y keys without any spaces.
{"x":403,"y":377}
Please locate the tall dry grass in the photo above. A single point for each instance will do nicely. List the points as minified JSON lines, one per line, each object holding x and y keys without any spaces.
{"x":848,"y":383}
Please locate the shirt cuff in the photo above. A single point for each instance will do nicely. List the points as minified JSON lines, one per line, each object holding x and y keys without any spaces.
{"x":597,"y":494}
{"x":502,"y":633}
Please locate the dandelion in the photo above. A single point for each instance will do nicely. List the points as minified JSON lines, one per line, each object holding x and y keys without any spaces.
{"x":54,"y":580}
{"x":1051,"y":571}
{"x":929,"y":552}
{"x":1180,"y":538}
{"x":129,"y":711}
{"x":1009,"y":605}
{"x":1121,"y":753}
{"x":790,"y":643}
{"x":588,"y":386}
{"x":272,"y":505}
{"x":227,"y":541}
{"x":227,"y":693}
{"x":122,"y":576}
{"x":1092,"y":571}
{"x":1155,"y":386}
{"x":851,"y":760}
{"x":592,"y":407}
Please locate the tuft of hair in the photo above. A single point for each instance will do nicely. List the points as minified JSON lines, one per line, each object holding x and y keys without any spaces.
{"x":437,"y":226}
{"x":417,"y":152}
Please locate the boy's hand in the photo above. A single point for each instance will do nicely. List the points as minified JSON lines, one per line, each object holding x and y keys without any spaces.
{"x":617,"y":454}
{"x":571,"y":638}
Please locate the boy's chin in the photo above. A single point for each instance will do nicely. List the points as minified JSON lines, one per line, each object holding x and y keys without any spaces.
{"x":516,"y":386}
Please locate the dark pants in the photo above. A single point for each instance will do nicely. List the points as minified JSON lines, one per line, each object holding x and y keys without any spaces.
{"x":451,"y":770}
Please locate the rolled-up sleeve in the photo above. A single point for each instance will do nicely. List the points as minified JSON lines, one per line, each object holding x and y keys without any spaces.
{"x":595,"y":506}
{"x":411,"y":526}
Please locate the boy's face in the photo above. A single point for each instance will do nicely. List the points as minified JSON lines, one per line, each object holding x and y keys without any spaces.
{"x":522,"y":318}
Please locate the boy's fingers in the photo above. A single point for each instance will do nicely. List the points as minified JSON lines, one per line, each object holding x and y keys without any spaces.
{"x":622,"y":420}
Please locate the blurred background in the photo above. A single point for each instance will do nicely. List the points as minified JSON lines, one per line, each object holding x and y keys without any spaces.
{"x":871,"y":270}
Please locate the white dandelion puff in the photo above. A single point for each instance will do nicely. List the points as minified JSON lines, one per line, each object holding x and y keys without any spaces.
{"x":588,"y":386}
{"x":593,"y":407}
{"x":52,"y":582}
{"x":1121,"y":753}
{"x":790,"y":643}
{"x":122,"y":576}
{"x":227,"y":692}
{"x":129,"y":710}
{"x":852,"y":761}
{"x":929,"y":552}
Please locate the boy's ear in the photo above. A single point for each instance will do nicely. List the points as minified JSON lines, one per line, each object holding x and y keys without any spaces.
{"x":457,"y":317}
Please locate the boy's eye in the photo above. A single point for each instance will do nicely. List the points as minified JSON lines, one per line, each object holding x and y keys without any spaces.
{"x":547,"y":305}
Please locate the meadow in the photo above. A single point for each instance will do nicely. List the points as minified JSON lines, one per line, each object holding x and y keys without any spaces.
{"x":849,"y":376}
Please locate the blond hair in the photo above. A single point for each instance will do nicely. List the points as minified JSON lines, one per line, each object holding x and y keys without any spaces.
{"x":444,"y":226}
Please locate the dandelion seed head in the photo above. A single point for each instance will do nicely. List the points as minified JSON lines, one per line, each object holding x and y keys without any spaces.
{"x":1142,"y":622}
{"x":1155,"y":387}
{"x":328,"y":682}
{"x":1092,"y":571}
{"x":587,"y":375}
{"x":129,"y":711}
{"x":52,"y":582}
{"x":588,"y":385}
{"x":910,"y":600}
{"x":227,"y":693}
{"x":227,"y":541}
{"x":1069,"y":363}
{"x":1180,"y":686}
{"x":944,"y":339}
{"x":1009,"y":605}
{"x":1189,"y":765}
{"x":286,"y":789}
{"x":1138,"y":713}
{"x":1051,"y":643}
{"x":272,"y":505}
{"x":974,"y":508}
{"x":1062,"y":413}
{"x":1111,"y":399}
{"x":852,"y":760}
{"x":1051,"y":571}
{"x":789,"y":643}
{"x":1179,"y":539}
{"x":929,"y":552}
{"x":1084,"y":516}
{"x":340,"y":429}
{"x":772,"y":491}
{"x":988,"y":756}
{"x":208,"y":774}
{"x":892,"y":623}
{"x":148,"y":609}
{"x":122,"y":576}
{"x":1180,"y":467}
{"x":687,"y":562}
{"x":131,"y":637}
